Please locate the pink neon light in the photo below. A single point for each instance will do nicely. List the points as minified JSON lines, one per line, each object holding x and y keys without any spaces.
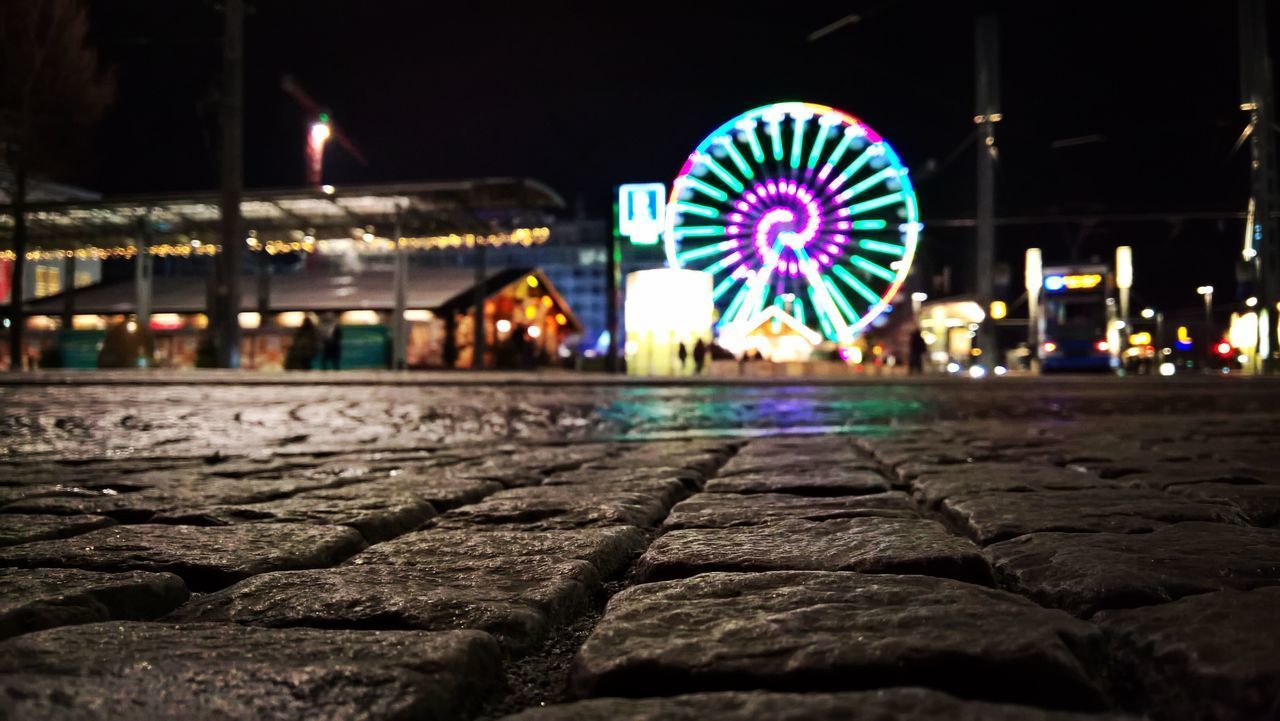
{"x":736,"y":217}
{"x":742,"y":206}
{"x":751,"y":197}
{"x":844,"y":225}
{"x":823,"y":257}
{"x":732,"y":230}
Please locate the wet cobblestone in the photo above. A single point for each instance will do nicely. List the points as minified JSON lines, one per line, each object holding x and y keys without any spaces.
{"x":1023,"y":550}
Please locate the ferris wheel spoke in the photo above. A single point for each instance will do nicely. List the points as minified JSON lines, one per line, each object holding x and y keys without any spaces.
{"x":857,"y":285}
{"x":726,"y":142}
{"x":723,"y":263}
{"x":705,"y":251}
{"x":705,"y":188}
{"x":877,"y":270}
{"x":700,"y":231}
{"x":696,"y":209}
{"x":725,"y":176}
{"x":876,"y":246}
{"x":753,"y":141}
{"x":869,"y":205}
{"x":799,"y":120}
{"x":863,"y":158}
{"x":867,"y":183}
{"x":722,"y":287}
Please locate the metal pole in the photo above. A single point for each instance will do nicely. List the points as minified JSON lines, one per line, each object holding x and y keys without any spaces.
{"x":227,"y":288}
{"x":1159,"y":335}
{"x":399,"y":328}
{"x":69,"y":292}
{"x":1208,"y":326}
{"x":17,"y":314}
{"x":1256,"y":98}
{"x":479,"y":340}
{"x":986,"y":115}
{"x":613,"y":279}
{"x":142,"y":267}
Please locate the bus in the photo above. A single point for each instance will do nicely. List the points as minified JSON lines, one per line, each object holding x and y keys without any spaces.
{"x":1076,"y":314}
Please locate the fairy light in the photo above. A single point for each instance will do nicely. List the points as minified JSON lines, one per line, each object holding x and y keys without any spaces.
{"x":525,"y":237}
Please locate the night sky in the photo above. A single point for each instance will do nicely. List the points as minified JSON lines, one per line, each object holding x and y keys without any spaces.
{"x":577,"y":96}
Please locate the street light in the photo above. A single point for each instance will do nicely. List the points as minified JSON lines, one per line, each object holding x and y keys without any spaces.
{"x":1148,"y":313}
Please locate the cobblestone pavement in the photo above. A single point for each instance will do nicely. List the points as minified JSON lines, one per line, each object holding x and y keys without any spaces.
{"x":974,"y":550}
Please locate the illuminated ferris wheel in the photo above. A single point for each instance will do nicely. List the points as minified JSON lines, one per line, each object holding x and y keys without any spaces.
{"x":796,"y":210}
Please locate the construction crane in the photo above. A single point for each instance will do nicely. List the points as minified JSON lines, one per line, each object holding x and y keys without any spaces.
{"x":320,"y":130}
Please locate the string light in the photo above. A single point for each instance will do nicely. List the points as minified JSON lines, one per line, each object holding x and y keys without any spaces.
{"x":525,"y":237}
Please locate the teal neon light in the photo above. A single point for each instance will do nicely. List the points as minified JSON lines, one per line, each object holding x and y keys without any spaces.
{"x":753,"y":141}
{"x":701,"y":231}
{"x":840,"y":300}
{"x":869,"y":205}
{"x":875,"y":224}
{"x":876,"y":246}
{"x":797,"y":139}
{"x":797,"y":310}
{"x":707,"y":251}
{"x":726,"y":141}
{"x":858,"y":286}
{"x":734,"y":305}
{"x":818,"y":142}
{"x":872,"y":268}
{"x":775,"y":138}
{"x":721,"y":287}
{"x":723,"y":174}
{"x":707,"y":190}
{"x":863,"y":185}
{"x":694,"y":208}
{"x":863,"y":158}
{"x":723,"y":263}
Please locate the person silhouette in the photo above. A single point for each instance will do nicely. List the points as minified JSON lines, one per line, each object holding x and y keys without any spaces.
{"x":683,"y":354}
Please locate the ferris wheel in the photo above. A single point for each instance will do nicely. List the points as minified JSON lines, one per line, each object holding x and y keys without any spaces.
{"x":796,"y":210}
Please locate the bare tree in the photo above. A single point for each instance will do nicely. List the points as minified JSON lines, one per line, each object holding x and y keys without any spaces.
{"x":52,"y":89}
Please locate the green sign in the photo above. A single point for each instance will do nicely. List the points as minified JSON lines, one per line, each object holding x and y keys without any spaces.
{"x":79,"y":348}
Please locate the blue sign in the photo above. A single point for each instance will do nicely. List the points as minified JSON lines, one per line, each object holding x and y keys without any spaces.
{"x":642,"y":209}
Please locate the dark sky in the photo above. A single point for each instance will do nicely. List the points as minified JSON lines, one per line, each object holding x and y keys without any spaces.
{"x":584,"y":95}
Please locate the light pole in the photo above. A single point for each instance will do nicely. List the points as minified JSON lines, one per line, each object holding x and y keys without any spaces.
{"x":1207,"y":292}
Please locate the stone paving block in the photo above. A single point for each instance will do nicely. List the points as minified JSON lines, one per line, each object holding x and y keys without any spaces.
{"x":724,"y":510}
{"x":206,"y":558}
{"x":933,"y":484}
{"x":1211,"y":656}
{"x":18,"y":528}
{"x":441,"y":491}
{"x":517,"y":599}
{"x":668,"y":491}
{"x":794,"y":462}
{"x":191,"y":491}
{"x":815,"y":631}
{"x":1146,"y":473}
{"x":610,"y":549}
{"x":1087,"y":572}
{"x":816,"y":480}
{"x":550,"y":507}
{"x":1260,"y":503}
{"x":35,"y":599}
{"x":115,"y":671}
{"x":608,"y":474}
{"x":868,"y":545}
{"x":991,"y":517}
{"x":891,"y":704}
{"x":376,"y":518}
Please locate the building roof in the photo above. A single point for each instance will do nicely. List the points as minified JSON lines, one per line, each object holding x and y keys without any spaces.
{"x":470,"y":206}
{"x":319,"y":291}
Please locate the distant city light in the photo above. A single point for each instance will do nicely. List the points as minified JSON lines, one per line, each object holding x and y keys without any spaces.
{"x":1167,"y":369}
{"x":1251,"y":301}
{"x":1000,"y":370}
{"x":503,"y":326}
{"x":534,"y":331}
{"x":1148,"y":313}
{"x":953,"y":367}
{"x":977,"y":371}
